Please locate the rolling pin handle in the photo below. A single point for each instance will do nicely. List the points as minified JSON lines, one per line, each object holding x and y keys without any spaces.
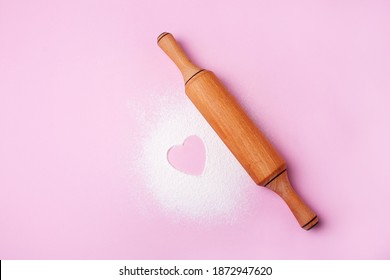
{"x":168,"y":44}
{"x":306,"y":217}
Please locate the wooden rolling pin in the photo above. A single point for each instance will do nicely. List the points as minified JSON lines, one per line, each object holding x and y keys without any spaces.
{"x":262,"y":162}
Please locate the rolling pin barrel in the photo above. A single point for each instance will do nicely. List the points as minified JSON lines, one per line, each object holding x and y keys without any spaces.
{"x":250,"y":147}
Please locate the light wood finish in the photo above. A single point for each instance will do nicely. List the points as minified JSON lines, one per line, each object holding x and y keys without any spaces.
{"x":255,"y":153}
{"x":168,"y":44}
{"x":233,"y":126}
{"x":304,"y":215}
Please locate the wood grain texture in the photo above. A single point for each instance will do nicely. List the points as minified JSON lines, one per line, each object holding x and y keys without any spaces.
{"x":302,"y":212}
{"x":247,"y":143}
{"x":233,"y":126}
{"x":169,"y":45}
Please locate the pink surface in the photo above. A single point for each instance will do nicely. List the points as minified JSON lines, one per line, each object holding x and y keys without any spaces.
{"x":315,"y":75}
{"x":189,"y":158}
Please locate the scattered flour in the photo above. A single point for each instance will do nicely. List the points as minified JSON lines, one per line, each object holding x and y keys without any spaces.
{"x":219,"y":193}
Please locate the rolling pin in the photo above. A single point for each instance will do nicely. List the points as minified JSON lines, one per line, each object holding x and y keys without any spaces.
{"x":247,"y":143}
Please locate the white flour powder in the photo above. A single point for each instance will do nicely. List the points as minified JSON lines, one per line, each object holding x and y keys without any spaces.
{"x":220,"y":192}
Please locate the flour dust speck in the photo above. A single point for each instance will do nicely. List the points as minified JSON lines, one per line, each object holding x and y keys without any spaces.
{"x":219,"y":193}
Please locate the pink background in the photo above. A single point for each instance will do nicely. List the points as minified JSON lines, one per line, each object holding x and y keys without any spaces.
{"x":315,"y":75}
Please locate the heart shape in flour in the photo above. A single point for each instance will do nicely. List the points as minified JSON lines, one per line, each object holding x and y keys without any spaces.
{"x":189,"y":158}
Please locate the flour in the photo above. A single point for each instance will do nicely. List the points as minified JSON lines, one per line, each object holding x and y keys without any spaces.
{"x":220,"y":192}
